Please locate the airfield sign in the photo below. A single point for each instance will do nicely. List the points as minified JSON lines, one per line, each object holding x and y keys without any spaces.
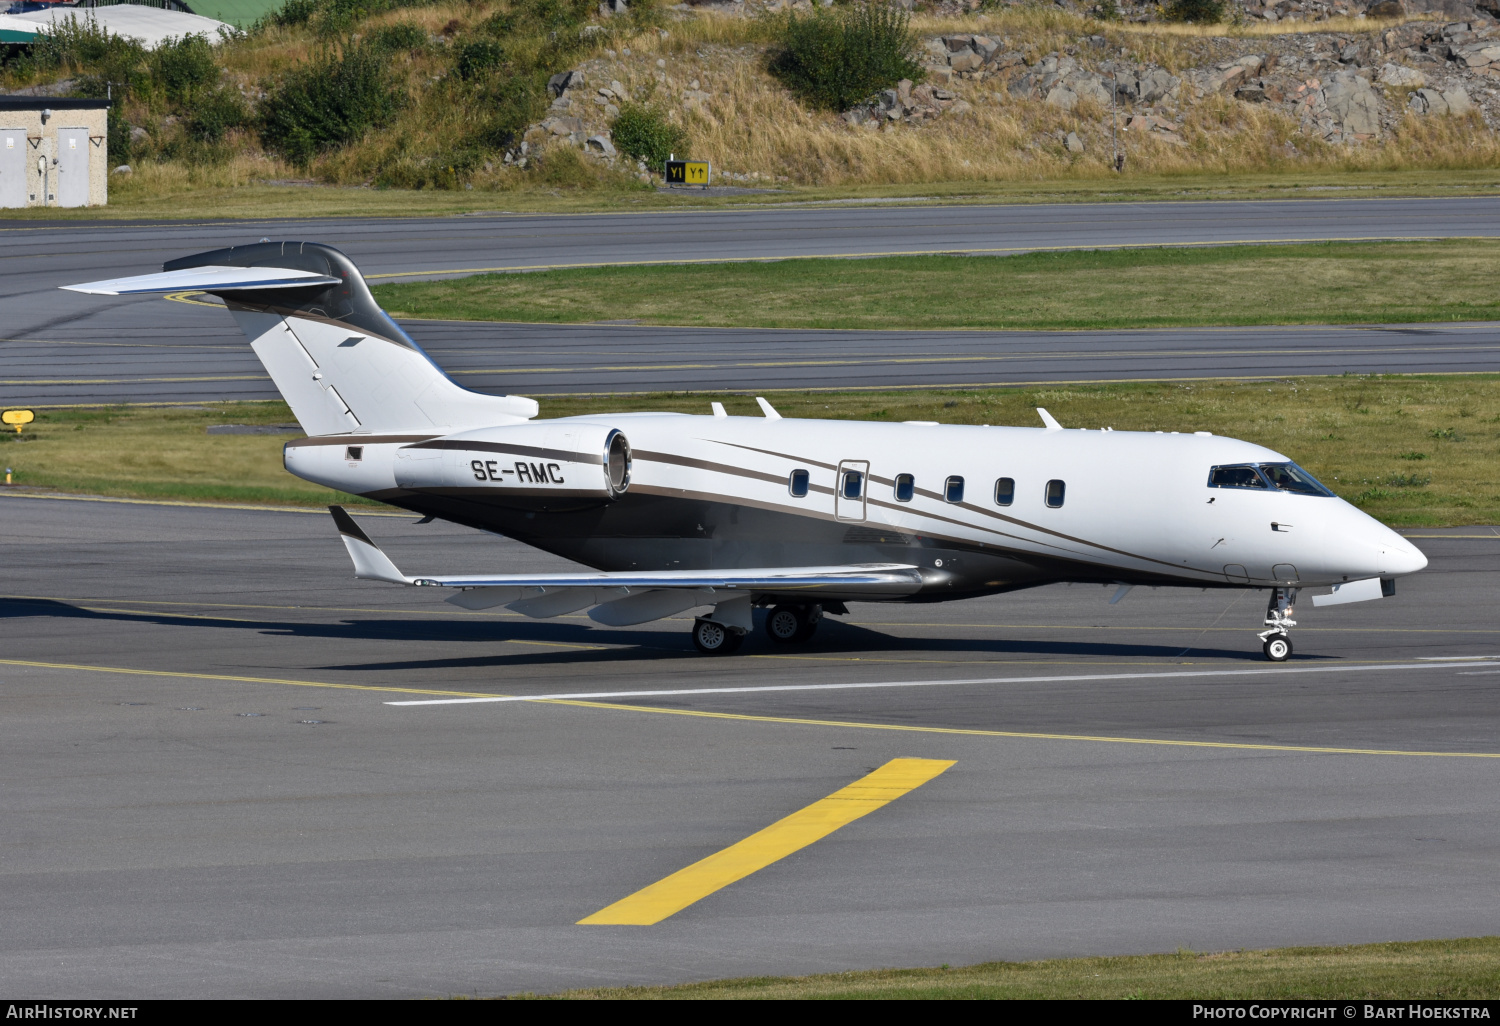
{"x":688,"y":172}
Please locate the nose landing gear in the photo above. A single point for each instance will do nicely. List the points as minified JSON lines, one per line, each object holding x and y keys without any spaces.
{"x":1276,"y":641}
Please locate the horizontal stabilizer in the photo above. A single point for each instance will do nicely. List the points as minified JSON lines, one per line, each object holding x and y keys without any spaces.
{"x":207,"y":279}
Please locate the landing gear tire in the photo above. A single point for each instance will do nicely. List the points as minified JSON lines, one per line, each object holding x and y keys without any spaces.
{"x":1278,"y":648}
{"x":787,"y":625}
{"x":712,"y":638}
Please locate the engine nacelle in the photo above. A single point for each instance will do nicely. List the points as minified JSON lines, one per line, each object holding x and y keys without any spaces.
{"x":536,"y":461}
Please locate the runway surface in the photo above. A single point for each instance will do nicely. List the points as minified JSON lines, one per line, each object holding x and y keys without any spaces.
{"x":60,"y":348}
{"x":175,"y":826}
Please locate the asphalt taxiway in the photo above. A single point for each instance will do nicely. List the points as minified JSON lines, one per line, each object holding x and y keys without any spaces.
{"x":198,"y":355}
{"x":209,"y":793}
{"x":60,"y":348}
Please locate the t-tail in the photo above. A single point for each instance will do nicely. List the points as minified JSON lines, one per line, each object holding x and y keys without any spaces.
{"x":338,"y":359}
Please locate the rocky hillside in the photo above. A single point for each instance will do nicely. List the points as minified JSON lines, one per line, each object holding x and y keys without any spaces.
{"x":1004,"y":91}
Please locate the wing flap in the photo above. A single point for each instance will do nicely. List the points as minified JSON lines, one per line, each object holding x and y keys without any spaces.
{"x":210,"y":278}
{"x":874,"y":575}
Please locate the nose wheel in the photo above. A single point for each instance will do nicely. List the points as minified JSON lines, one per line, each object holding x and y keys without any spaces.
{"x":1278,"y":648}
{"x":1276,"y":641}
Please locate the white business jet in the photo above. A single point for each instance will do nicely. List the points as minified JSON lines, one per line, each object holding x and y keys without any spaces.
{"x":721,"y":514}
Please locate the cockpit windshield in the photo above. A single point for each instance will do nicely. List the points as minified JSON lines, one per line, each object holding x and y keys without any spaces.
{"x":1235,"y":477}
{"x":1291,"y":478}
{"x":1286,"y":477}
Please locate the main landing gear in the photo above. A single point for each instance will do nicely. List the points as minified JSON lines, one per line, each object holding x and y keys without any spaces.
{"x":1276,"y":642}
{"x":786,"y":625}
{"x":713,"y":638}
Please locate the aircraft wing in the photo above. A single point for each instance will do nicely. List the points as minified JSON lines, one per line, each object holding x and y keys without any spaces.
{"x":208,"y":279}
{"x":629,"y":597}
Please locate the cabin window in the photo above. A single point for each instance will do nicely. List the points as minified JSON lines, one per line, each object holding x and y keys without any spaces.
{"x":1056,"y":490}
{"x":854,"y":484}
{"x":1288,"y":477}
{"x":1005,"y":491}
{"x":1235,"y":477}
{"x":354,"y":452}
{"x":797,"y":483}
{"x":953,"y":489}
{"x":906,"y":487}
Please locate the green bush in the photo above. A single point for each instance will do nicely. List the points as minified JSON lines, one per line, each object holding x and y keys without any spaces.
{"x":478,"y":58}
{"x":181,"y":67}
{"x":332,"y":99}
{"x":215,"y":113}
{"x":402,"y":36}
{"x":643,"y":132}
{"x":835,"y":58}
{"x":1203,"y":12}
{"x":99,"y":59}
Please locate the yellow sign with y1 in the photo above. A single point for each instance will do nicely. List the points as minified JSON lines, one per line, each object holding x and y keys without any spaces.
{"x":688,"y":172}
{"x":17,"y":418}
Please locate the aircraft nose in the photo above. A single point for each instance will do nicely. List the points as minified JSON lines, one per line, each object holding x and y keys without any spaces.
{"x":1398,"y":555}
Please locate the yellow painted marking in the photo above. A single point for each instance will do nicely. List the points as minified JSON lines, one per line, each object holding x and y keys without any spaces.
{"x":237,"y":679}
{"x":187,"y":297}
{"x":671,"y":895}
{"x":965,"y":732}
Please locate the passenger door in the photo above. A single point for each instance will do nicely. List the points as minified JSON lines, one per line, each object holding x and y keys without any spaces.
{"x":849,"y":489}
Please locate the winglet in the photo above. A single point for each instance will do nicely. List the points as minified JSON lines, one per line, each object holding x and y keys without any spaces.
{"x":370,"y":564}
{"x":767,"y":409}
{"x":1049,"y":420}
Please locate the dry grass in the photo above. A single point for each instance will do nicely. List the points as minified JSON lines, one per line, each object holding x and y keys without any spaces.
{"x":1448,"y":970}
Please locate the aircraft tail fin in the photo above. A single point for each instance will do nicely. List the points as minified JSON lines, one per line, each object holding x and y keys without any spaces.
{"x":337,"y":358}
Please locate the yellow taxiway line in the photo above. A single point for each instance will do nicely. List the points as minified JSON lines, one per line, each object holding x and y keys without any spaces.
{"x":671,"y":895}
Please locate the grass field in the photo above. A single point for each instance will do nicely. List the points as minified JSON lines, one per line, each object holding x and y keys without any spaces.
{"x":1412,"y":451}
{"x":192,"y":199}
{"x":1323,"y":283}
{"x":1450,"y":970}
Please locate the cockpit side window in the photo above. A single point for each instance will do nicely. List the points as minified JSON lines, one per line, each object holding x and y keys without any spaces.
{"x":1288,"y":477}
{"x":1235,"y":477}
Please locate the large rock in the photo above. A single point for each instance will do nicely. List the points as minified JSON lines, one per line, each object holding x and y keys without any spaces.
{"x":1074,"y":144}
{"x":1428,"y":101}
{"x":564,"y":80}
{"x":1401,"y":77}
{"x":1157,"y":84}
{"x":600,"y":144}
{"x":1353,"y":103}
{"x":965,"y":60}
{"x":1062,"y":96}
{"x":1458,"y":100}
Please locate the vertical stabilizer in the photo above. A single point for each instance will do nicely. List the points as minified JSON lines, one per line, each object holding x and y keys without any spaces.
{"x":339,"y":360}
